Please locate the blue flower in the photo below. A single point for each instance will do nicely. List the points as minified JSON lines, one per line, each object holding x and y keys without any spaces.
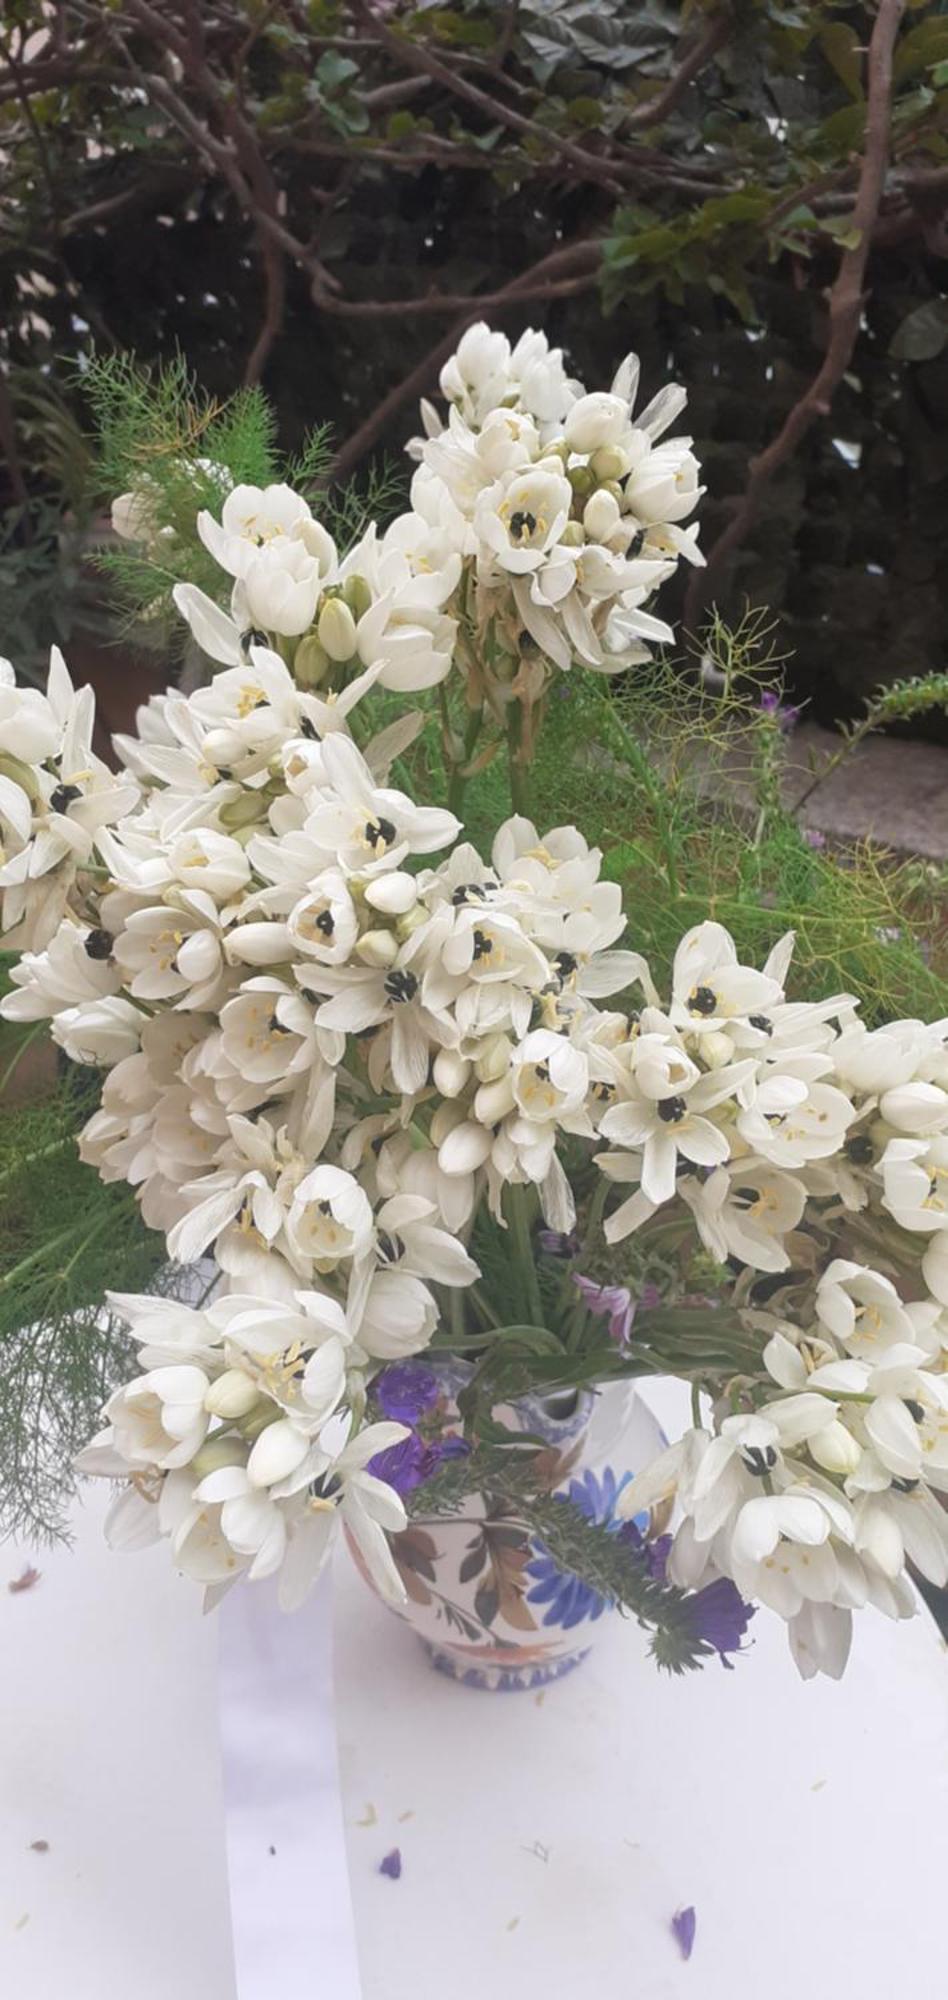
{"x":567,"y":1598}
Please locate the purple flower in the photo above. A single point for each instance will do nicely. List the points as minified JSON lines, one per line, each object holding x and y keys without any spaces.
{"x":409,"y":1463}
{"x":813,"y":837}
{"x":653,"y":1554}
{"x":403,"y":1465}
{"x":405,"y":1391}
{"x":719,"y":1617}
{"x":684,"y":1924}
{"x":392,"y":1865}
{"x":611,"y":1302}
{"x":770,"y":705}
{"x":555,"y":1244}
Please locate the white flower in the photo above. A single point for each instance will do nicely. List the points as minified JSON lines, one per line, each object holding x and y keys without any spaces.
{"x":157,"y":1420}
{"x":369,"y":827}
{"x":521,"y":517}
{"x":665,"y":1118}
{"x":370,"y":1510}
{"x":710,"y":987}
{"x":861,"y":1309}
{"x":915,"y":1182}
{"x":746,"y":1209}
{"x":329,"y":1221}
{"x":281,"y":588}
{"x":76,"y":966}
{"x":254,"y":518}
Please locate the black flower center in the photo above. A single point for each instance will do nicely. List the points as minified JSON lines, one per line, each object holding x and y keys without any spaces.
{"x":401,"y":986}
{"x":762,"y":1022}
{"x":61,"y":799}
{"x":390,"y":1248}
{"x":326,"y":923}
{"x":254,"y":637}
{"x":565,"y":965}
{"x":703,"y":1001}
{"x":671,"y":1110}
{"x":860,"y":1150}
{"x":915,"y":1410}
{"x":759,"y":1459}
{"x":379,"y":831}
{"x":483,"y":945}
{"x":522,"y":523}
{"x":98,"y":944}
{"x":469,"y":892}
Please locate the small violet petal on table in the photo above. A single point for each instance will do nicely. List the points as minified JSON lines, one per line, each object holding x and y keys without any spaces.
{"x":684,"y":1924}
{"x":392,"y":1864}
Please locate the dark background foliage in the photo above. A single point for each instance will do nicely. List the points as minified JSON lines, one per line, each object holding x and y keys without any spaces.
{"x":321,"y":196}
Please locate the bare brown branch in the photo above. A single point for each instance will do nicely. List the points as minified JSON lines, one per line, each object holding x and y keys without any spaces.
{"x":845,"y":310}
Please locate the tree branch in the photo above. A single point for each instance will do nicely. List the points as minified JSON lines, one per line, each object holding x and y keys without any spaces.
{"x":420,"y":377}
{"x":845,"y":310}
{"x":655,"y":109}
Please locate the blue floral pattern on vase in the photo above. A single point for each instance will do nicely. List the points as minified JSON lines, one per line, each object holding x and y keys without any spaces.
{"x":568,"y":1601}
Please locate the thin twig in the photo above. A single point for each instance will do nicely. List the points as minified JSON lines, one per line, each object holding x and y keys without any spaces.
{"x":657,"y":108}
{"x":419,"y":377}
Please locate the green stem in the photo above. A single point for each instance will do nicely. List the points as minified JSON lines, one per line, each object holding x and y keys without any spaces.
{"x":43,"y":1153}
{"x":519,"y":1220}
{"x":516,"y":768}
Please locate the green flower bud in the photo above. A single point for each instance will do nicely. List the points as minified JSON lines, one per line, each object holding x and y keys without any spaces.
{"x":216,"y":1452}
{"x":573,"y":535}
{"x":581,"y":480}
{"x":263,"y":1413}
{"x":311,"y":662}
{"x":358,"y":595}
{"x":608,"y":462}
{"x":245,"y":811}
{"x":21,"y":774}
{"x":232,"y":1395}
{"x":377,"y":948}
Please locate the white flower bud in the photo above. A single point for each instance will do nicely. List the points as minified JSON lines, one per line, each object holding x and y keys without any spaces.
{"x":378,"y":948}
{"x":444,"y":1120}
{"x":717,"y":1048}
{"x":464,"y":1149}
{"x":336,"y":629}
{"x":494,"y":1059}
{"x":451,"y":1072}
{"x":199,"y":957}
{"x":835,"y":1449}
{"x":600,"y":515}
{"x":493,"y":1101}
{"x":232,"y":1395}
{"x":394,"y":894}
{"x":595,"y":420}
{"x":278,"y":1451}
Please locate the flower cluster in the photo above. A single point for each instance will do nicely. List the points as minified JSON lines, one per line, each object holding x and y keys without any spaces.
{"x":565,"y":505}
{"x":819,"y":1478}
{"x":321,"y":1045}
{"x":364,"y":1068}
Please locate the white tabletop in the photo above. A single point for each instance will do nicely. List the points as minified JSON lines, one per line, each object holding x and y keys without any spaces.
{"x":546,"y":1840}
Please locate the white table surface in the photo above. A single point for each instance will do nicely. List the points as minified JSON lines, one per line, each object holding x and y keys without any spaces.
{"x":546,"y":1840}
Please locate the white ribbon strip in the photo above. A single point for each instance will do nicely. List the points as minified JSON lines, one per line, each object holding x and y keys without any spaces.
{"x":289,"y":1883}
